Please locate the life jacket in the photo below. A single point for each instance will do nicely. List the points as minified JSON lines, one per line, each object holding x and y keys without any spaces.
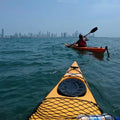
{"x":82,"y":43}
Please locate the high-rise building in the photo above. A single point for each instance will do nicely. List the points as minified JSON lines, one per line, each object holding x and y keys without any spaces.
{"x":76,"y":33}
{"x":48,"y":34}
{"x":2,"y":33}
{"x":64,"y":34}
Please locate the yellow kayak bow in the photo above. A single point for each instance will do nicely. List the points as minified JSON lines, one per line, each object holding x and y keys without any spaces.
{"x":68,"y":99}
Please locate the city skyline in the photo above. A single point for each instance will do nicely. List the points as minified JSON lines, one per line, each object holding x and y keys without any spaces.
{"x":40,"y":34}
{"x":61,"y":15}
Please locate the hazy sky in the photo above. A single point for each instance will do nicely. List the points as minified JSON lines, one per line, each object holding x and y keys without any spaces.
{"x":61,"y":16}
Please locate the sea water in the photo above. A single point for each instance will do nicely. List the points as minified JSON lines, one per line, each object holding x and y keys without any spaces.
{"x":31,"y":67}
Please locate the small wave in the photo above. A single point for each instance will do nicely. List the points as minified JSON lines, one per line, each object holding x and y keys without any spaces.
{"x":54,"y":72}
{"x":19,"y":63}
{"x":12,"y":64}
{"x":14,"y":52}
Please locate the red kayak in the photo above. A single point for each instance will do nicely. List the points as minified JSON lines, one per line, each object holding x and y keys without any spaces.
{"x":91,"y":49}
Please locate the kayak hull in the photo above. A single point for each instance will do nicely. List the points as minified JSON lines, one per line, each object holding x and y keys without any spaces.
{"x":91,"y":49}
{"x":57,"y":106}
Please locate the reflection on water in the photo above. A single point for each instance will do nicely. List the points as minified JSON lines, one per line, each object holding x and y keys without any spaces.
{"x":98,"y":56}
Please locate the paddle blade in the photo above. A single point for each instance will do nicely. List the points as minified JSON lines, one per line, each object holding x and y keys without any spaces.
{"x":93,"y":30}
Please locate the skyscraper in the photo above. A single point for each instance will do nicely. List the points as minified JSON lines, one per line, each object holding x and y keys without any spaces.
{"x":2,"y":33}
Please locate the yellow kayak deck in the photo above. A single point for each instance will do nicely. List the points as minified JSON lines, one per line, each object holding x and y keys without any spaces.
{"x":56,"y":106}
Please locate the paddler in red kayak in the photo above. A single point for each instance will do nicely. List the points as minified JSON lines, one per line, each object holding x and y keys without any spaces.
{"x":81,"y":42}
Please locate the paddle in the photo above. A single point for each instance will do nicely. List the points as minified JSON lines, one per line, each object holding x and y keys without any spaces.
{"x":92,"y":31}
{"x":106,"y":47}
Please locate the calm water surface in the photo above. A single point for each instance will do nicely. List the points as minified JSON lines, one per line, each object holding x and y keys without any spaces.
{"x":30,"y":68}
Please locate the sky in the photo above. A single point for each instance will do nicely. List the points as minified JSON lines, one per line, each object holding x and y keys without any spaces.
{"x":33,"y":16}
